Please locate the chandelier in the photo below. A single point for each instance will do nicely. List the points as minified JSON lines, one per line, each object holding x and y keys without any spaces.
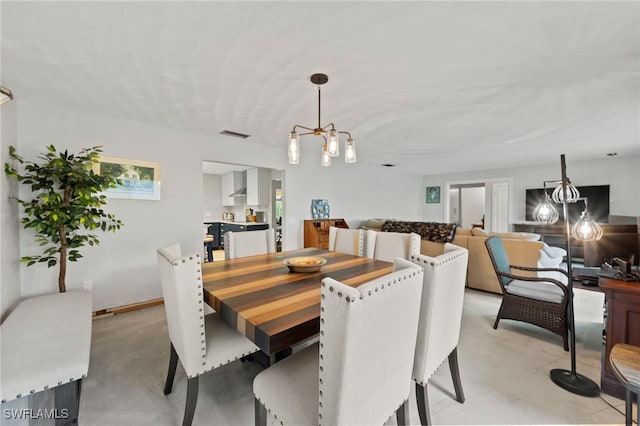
{"x":6,"y":94}
{"x":330,"y":136}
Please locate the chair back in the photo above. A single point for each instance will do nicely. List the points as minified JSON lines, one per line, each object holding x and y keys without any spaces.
{"x":181,"y":279}
{"x":367,"y":343}
{"x":249,"y":243}
{"x":349,"y":241}
{"x":389,"y":245}
{"x":441,"y":308}
{"x":499,"y":260}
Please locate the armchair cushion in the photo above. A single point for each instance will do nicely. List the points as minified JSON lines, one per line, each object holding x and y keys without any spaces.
{"x":539,"y":290}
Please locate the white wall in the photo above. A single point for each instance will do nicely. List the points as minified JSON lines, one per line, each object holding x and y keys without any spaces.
{"x":621,"y":173}
{"x":9,"y":224}
{"x":123,"y":267}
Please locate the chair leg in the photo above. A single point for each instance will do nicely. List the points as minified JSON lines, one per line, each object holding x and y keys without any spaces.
{"x":402,"y":414}
{"x":495,"y":324}
{"x":455,"y":375}
{"x":173,"y":363}
{"x":423,"y":404}
{"x":192,"y":399}
{"x":260,"y":413}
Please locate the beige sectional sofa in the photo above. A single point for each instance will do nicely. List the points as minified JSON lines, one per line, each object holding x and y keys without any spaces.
{"x":522,"y":248}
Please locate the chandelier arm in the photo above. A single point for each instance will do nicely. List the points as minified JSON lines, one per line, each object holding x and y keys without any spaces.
{"x":344,"y":133}
{"x":303,"y":127}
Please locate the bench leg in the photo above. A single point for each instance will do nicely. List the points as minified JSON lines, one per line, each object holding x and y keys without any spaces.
{"x":67,"y":403}
{"x":171,"y":374}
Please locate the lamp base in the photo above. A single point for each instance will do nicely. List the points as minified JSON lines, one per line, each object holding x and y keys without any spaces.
{"x":574,"y":382}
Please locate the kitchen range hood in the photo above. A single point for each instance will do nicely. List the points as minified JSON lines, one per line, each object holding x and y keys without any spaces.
{"x":239,"y":193}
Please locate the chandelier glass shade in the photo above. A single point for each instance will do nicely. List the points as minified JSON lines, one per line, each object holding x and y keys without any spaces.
{"x":330,"y":136}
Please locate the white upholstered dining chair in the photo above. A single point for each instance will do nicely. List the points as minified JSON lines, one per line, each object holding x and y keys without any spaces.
{"x":389,"y":245}
{"x":249,"y":243}
{"x":440,"y":320}
{"x":201,"y":342}
{"x":360,"y":372}
{"x":349,"y":241}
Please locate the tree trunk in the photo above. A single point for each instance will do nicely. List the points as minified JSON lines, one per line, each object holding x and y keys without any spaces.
{"x":63,"y":245}
{"x":63,"y":270}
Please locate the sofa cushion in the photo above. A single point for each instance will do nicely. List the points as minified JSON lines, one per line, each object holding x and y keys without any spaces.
{"x":477,"y":232}
{"x":432,"y":231}
{"x":463,"y":231}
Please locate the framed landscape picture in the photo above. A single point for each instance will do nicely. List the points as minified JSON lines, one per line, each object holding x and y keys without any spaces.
{"x":139,"y":179}
{"x":433,"y":194}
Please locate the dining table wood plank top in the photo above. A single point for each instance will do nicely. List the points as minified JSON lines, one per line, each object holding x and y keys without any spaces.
{"x":276,"y":308}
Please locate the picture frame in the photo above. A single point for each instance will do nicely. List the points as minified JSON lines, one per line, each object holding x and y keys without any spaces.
{"x":140,"y":179}
{"x":433,"y":194}
{"x":319,"y":209}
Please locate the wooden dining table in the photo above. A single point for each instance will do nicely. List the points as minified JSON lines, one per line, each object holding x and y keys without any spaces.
{"x":276,"y":308}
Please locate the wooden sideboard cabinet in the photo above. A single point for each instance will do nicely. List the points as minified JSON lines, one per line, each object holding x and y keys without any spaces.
{"x":316,"y":231}
{"x":622,"y":300}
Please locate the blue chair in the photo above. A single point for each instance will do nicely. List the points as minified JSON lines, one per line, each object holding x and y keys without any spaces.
{"x":536,"y":300}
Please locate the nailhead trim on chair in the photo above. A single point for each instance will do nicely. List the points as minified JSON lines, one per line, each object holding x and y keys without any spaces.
{"x":350,"y":300}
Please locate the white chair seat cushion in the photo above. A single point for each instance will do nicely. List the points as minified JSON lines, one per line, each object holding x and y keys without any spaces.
{"x":290,"y":388}
{"x":223,"y":343}
{"x":539,"y":290}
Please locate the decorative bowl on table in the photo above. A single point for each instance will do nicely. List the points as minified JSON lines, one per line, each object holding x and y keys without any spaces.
{"x":305,"y":263}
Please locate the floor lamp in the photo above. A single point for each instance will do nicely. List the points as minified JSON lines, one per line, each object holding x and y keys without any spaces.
{"x":570,"y":379}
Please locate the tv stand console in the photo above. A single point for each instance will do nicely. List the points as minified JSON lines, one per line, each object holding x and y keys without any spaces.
{"x":620,"y":240}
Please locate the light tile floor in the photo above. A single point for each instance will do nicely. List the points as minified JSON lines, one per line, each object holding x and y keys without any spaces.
{"x":505,"y":374}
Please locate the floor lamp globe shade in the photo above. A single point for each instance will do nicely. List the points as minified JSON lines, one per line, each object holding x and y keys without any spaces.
{"x":350,"y":151}
{"x":333,"y":144}
{"x":572,"y":194}
{"x":586,"y":229}
{"x":294,"y":148}
{"x":546,"y":212}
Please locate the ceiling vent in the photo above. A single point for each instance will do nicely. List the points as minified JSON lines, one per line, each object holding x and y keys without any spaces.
{"x":234,"y":134}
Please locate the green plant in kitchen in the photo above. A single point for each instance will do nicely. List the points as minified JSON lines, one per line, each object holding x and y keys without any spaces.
{"x":65,"y":203}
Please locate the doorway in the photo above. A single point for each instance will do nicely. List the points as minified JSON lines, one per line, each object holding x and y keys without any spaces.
{"x":483,"y":203}
{"x":466,"y":205}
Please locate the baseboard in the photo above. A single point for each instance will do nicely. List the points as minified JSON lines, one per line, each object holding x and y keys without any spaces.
{"x":126,"y":308}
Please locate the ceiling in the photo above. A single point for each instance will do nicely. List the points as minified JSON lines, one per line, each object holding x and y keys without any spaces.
{"x":432,"y":87}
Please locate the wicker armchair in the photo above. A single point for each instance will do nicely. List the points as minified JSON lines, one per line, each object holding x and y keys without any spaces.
{"x":539,"y":301}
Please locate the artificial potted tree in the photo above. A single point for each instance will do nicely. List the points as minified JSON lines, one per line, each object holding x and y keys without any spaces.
{"x":65,"y":204}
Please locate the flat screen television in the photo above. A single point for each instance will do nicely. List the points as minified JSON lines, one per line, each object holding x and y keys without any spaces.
{"x":598,"y":196}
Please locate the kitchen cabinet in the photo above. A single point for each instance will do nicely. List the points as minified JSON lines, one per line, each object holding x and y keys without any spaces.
{"x":230,"y":183}
{"x":217,"y":229}
{"x":258,"y":183}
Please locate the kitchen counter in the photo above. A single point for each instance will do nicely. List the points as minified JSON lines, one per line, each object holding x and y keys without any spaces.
{"x":219,"y":227}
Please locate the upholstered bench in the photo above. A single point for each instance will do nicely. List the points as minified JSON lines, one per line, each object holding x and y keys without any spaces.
{"x":46,"y":342}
